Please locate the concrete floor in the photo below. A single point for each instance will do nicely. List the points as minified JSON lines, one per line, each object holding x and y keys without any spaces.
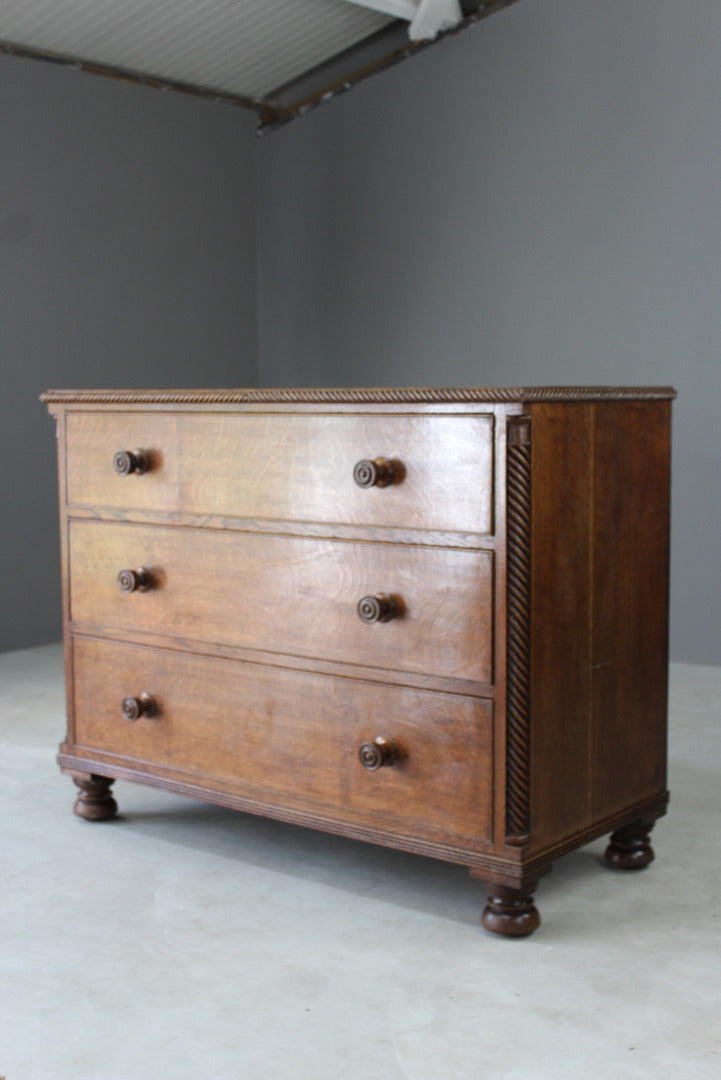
{"x":187,"y":942}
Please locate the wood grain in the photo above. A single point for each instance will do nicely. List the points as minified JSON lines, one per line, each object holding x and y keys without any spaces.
{"x":290,"y":595}
{"x":630,"y":537}
{"x":289,"y":466}
{"x":560,"y":620}
{"x":294,"y":737}
{"x":599,"y":613}
{"x":359,"y":395}
{"x":517,"y":670}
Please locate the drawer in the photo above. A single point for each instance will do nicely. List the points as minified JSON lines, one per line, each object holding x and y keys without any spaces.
{"x":292,"y":738}
{"x":288,"y":467}
{"x":287,"y":594}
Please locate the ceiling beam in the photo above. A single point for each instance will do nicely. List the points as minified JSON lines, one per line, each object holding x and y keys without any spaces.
{"x":432,"y":17}
{"x":332,"y":79}
{"x":427,"y":18}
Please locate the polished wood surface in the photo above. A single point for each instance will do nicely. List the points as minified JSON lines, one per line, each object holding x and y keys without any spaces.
{"x":95,"y":801}
{"x":289,"y":466}
{"x":431,"y":619}
{"x":381,"y":753}
{"x":289,"y":595}
{"x":629,"y":692}
{"x":599,"y":612}
{"x":510,"y":911}
{"x":354,"y":397}
{"x":290,"y":735}
{"x":630,"y":847}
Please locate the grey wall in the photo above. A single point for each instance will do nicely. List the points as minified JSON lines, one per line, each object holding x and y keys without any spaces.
{"x":127,"y":258}
{"x":535,"y":201}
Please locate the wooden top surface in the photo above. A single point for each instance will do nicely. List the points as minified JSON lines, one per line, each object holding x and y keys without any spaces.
{"x":360,"y":395}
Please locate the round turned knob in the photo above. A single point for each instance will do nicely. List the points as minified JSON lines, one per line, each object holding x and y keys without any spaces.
{"x":142,"y":705}
{"x":129,"y":461}
{"x":139,"y":580}
{"x":374,"y":755}
{"x":377,"y":473}
{"x":379,"y":608}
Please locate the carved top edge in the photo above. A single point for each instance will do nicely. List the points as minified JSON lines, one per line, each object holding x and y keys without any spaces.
{"x":360,"y":395}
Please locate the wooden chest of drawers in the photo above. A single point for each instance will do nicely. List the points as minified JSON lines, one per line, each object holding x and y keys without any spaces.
{"x":432,"y":619}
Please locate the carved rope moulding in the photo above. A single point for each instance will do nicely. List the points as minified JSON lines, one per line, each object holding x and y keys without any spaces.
{"x":359,"y":395}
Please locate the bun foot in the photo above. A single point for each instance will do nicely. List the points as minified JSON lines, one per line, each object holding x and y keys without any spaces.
{"x":510,"y":911}
{"x":95,"y":802}
{"x":630,"y":848}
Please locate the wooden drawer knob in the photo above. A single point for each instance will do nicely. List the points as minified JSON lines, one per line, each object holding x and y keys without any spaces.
{"x":379,"y":608}
{"x":142,"y":705}
{"x":138,"y":580}
{"x":376,"y":473}
{"x":374,"y":755}
{"x":131,"y":461}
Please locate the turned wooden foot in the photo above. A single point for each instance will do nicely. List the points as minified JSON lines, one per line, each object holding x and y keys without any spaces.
{"x":630,"y":848}
{"x":95,"y":802}
{"x":510,"y":911}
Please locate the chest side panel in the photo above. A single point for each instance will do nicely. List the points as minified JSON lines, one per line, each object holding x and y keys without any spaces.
{"x":599,"y":613}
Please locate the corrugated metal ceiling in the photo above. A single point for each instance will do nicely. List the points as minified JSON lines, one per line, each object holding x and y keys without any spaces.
{"x":279,"y":56}
{"x":240,"y":47}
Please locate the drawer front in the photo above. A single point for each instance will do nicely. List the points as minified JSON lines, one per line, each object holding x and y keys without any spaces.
{"x":290,"y":595}
{"x":293,"y":739}
{"x":289,"y":467}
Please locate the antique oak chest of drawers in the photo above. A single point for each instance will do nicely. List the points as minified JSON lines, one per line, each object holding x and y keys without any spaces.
{"x":431,"y":619}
